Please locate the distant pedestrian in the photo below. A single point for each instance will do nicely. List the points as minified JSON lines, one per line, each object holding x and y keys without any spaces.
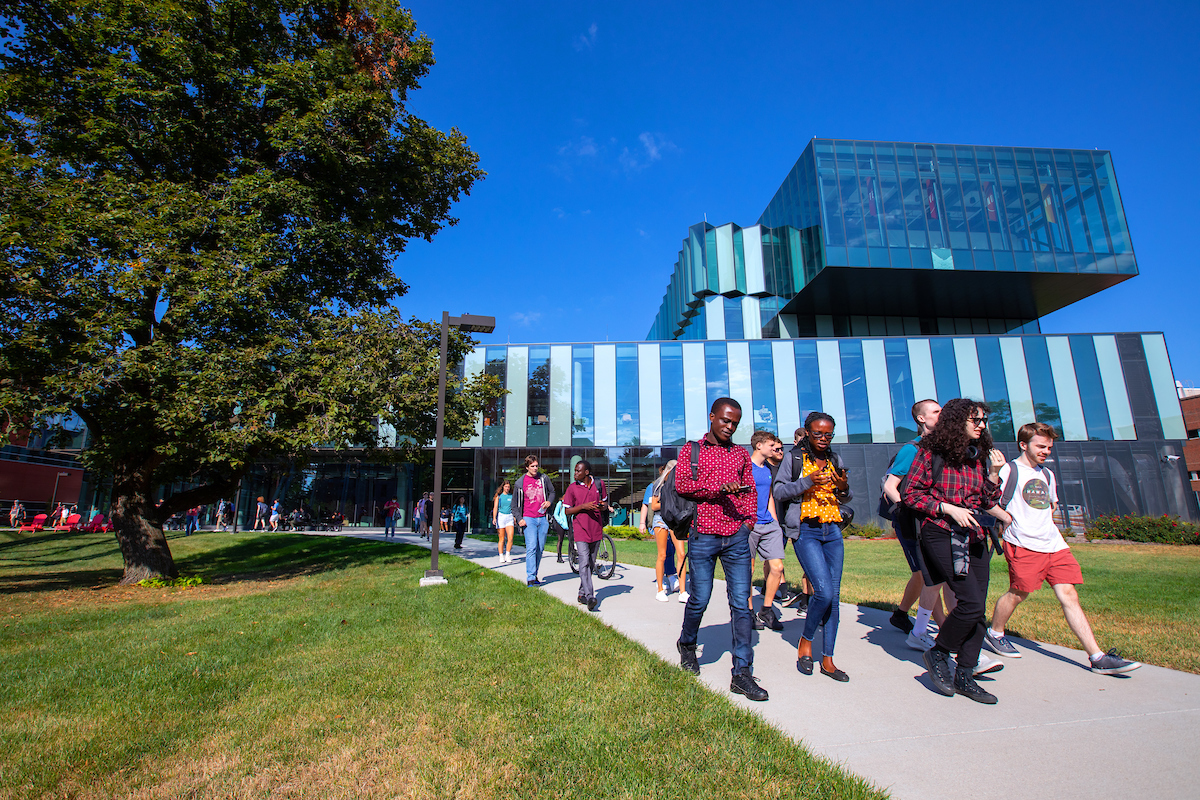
{"x":1036,"y":550}
{"x":812,"y":482}
{"x":16,"y":514}
{"x":502,"y":519}
{"x":725,"y":509}
{"x":391,"y":509}
{"x":261,"y":514}
{"x":219,"y":519}
{"x":276,"y":514}
{"x":584,"y":501}
{"x":532,"y":495}
{"x":766,"y":538}
{"x":459,"y":519}
{"x":192,"y":522}
{"x":664,"y":537}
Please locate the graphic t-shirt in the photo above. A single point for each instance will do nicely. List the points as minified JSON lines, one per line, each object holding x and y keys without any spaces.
{"x":534,"y":496}
{"x":1032,"y":509}
{"x":506,"y":504}
{"x":762,"y":482}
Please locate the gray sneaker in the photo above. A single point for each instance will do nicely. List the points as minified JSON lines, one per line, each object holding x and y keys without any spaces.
{"x":1112,"y":664}
{"x":1000,"y":645}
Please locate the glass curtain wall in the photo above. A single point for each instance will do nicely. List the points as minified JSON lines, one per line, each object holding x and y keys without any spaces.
{"x":493,"y":415}
{"x":538,"y":404}
{"x":583,"y":397}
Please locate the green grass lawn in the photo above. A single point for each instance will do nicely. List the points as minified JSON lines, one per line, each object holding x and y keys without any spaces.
{"x":316,"y":667}
{"x":1143,"y":600}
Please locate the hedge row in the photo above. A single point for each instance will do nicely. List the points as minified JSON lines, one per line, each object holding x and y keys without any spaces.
{"x":1157,"y":530}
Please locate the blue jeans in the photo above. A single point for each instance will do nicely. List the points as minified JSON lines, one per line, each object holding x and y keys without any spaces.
{"x":821,"y":552}
{"x":734,"y":551}
{"x":389,"y":524}
{"x":535,"y":531}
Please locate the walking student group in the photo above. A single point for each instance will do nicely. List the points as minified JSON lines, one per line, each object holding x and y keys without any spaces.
{"x":952,"y":498}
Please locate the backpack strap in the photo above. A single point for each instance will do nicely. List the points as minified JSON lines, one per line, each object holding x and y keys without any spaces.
{"x":696,"y":460}
{"x":1010,"y":487}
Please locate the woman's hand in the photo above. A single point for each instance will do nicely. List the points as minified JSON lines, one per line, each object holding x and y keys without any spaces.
{"x":960,"y":516}
{"x":821,"y":478}
{"x":996,"y":460}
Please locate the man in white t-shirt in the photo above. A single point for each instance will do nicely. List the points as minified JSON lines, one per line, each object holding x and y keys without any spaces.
{"x":1036,"y":551}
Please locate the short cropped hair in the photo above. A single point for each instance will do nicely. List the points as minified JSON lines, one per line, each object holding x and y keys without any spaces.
{"x":799,"y":434}
{"x":586,"y":465}
{"x":758,"y":437}
{"x":531,"y":459}
{"x":1032,"y":429}
{"x":725,"y":401}
{"x":919,"y":408}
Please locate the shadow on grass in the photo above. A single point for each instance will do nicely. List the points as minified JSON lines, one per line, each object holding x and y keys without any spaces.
{"x":16,"y":583}
{"x":277,"y":556}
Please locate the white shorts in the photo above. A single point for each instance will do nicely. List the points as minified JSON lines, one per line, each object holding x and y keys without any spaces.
{"x":504,"y":520}
{"x":274,"y":518}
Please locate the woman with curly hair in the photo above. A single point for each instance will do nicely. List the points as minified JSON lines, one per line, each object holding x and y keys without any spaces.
{"x":812,"y":521}
{"x":955,"y":474}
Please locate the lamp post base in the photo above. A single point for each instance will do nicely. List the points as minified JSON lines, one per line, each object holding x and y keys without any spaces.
{"x":433,"y":577}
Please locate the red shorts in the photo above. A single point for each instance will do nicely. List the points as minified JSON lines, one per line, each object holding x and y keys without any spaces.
{"x":1028,"y":568}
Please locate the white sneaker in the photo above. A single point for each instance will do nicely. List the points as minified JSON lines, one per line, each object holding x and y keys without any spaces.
{"x":661,"y":596}
{"x":923,"y":642}
{"x":683,"y":597}
{"x":987,"y":664}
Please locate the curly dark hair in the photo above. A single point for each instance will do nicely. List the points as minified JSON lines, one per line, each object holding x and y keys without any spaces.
{"x":949,"y":439}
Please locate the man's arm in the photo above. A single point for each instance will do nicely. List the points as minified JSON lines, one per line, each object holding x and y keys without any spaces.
{"x":684,"y":483}
{"x":891,"y":488}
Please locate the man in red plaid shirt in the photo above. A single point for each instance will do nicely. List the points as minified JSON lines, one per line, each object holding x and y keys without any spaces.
{"x":726,"y":507}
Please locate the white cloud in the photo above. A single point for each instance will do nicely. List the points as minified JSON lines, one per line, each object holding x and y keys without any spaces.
{"x":525,"y":320}
{"x":585,"y":146}
{"x":652,"y":150}
{"x":560,"y":213}
{"x":586,"y":41}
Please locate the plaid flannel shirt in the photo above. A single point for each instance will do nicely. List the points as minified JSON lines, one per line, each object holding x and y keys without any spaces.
{"x":966,"y":486}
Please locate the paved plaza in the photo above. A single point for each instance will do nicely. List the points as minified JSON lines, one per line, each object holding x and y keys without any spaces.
{"x":1058,"y":731}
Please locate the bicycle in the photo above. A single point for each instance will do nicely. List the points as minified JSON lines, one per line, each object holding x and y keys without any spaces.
{"x":606,"y":558}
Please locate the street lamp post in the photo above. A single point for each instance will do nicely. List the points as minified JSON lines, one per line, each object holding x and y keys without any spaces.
{"x":470,"y":324}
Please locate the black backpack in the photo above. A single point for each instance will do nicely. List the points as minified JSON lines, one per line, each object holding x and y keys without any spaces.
{"x":677,"y":511}
{"x":907,"y":521}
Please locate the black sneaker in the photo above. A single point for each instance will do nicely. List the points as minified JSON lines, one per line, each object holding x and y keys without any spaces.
{"x":744,"y":683}
{"x":802,"y":606}
{"x":591,"y":604}
{"x":938,"y":665}
{"x":964,"y":684}
{"x":794,"y":599}
{"x":901,"y":620}
{"x":687,"y":659}
{"x":766,"y":618}
{"x":581,"y":600}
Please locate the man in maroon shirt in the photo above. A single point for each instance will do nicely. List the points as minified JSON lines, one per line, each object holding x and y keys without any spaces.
{"x":583,"y":500}
{"x":726,"y":506}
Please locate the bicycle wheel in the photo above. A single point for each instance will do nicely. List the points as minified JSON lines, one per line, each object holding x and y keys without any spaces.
{"x":573,"y":556}
{"x":606,"y":559}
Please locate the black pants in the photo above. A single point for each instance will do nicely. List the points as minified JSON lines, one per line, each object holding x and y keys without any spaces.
{"x":965,"y":625}
{"x":460,"y":529}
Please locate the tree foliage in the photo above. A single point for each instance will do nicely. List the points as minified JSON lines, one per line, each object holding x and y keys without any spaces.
{"x":200,"y":207}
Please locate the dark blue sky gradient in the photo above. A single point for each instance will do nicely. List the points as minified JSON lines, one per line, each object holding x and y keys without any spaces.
{"x":607,"y":129}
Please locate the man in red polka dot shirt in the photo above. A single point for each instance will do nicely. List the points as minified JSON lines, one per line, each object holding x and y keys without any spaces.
{"x":726,"y":506}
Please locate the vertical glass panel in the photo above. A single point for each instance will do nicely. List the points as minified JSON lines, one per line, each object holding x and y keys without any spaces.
{"x":716,"y":371}
{"x":827,"y":180}
{"x":1110,"y":200}
{"x":1065,"y":386}
{"x":560,"y":396}
{"x":945,"y":369}
{"x":990,"y":198}
{"x":1163,"y":381}
{"x":516,"y":380}
{"x":868,"y":191}
{"x":1052,"y":210}
{"x":673,"y":412}
{"x":711,"y":261}
{"x":733,"y":318}
{"x":537,"y":407}
{"x":1011,"y":201}
{"x":973,"y":205}
{"x":649,"y":395}
{"x":808,"y":377}
{"x":493,"y":415}
{"x":1031,"y":198}
{"x":762,"y":384}
{"x":900,"y":383}
{"x":739,"y":260}
{"x":1116,"y":393}
{"x":1091,"y":388}
{"x":931,"y":204}
{"x":890,"y":198}
{"x":1085,"y":176}
{"x":1072,"y":202}
{"x":952,"y":199}
{"x":1041,"y":383}
{"x":912,"y":195}
{"x":857,"y":425}
{"x":787,"y":404}
{"x":628,"y":422}
{"x":851,"y":204}
{"x":740,"y":389}
{"x":582,"y":397}
{"x":995,"y":388}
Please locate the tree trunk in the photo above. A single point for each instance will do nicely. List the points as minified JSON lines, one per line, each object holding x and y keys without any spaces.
{"x":143,"y":544}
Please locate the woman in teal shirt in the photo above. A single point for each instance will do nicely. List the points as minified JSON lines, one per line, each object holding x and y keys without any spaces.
{"x":502,"y":518}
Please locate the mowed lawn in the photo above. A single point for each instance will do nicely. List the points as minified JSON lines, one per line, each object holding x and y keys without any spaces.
{"x":316,"y":667}
{"x":1144,"y":600}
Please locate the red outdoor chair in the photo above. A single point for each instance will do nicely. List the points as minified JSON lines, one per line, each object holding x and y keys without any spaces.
{"x":38,"y":523}
{"x":72,"y":523}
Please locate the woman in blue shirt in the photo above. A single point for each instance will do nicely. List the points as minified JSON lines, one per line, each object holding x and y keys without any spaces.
{"x":502,"y":518}
{"x":458,"y":518}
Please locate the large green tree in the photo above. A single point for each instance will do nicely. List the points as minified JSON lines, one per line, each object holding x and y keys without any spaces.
{"x":200,"y":205}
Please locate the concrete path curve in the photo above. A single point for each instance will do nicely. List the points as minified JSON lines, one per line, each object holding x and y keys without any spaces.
{"x":1058,"y":731}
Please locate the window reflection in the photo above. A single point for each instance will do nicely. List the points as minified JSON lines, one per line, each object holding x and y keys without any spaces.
{"x":762,"y":387}
{"x":671,"y":365}
{"x":995,"y":388}
{"x":1041,"y":383}
{"x":538,"y":406}
{"x":493,"y":414}
{"x":628,"y":422}
{"x":1091,"y":388}
{"x":945,"y":369}
{"x":583,"y":399}
{"x":901,"y":385}
{"x":733,"y":318}
{"x":716,"y":371}
{"x":857,"y":424}
{"x":808,"y":379}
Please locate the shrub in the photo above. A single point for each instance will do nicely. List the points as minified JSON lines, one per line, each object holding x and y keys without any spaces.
{"x":627,"y":532}
{"x":1157,"y":530}
{"x":868,"y":531}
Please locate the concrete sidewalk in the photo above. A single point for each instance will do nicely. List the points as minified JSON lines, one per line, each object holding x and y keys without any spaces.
{"x":1058,"y":730}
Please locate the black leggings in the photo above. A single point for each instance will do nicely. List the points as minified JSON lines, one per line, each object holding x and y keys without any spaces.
{"x":965,"y":625}
{"x":460,"y":528}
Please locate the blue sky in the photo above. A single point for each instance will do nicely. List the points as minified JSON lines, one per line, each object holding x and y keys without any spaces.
{"x":607,"y":129}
